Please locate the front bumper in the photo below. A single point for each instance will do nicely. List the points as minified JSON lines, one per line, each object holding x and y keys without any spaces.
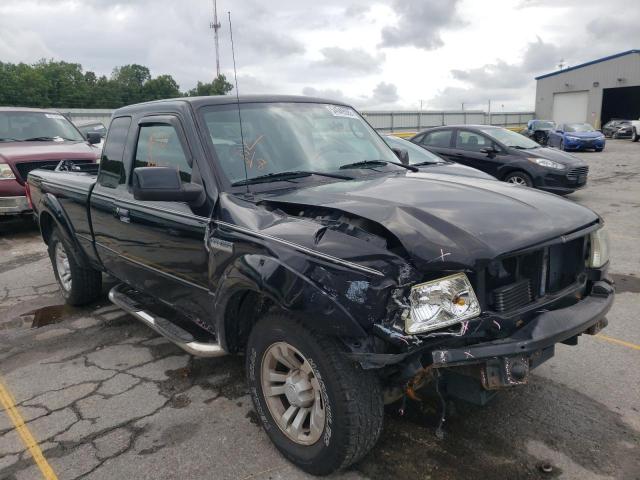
{"x":543,"y":331}
{"x":14,"y":205}
{"x":584,"y":144}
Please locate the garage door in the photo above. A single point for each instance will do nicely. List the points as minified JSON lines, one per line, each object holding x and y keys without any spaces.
{"x":570,"y":107}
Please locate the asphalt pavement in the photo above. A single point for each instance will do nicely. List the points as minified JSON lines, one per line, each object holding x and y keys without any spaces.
{"x":93,"y":394}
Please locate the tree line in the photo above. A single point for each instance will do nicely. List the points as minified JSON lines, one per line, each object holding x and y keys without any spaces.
{"x":57,"y":84}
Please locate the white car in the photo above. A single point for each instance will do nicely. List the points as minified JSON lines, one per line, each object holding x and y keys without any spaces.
{"x":635,"y":130}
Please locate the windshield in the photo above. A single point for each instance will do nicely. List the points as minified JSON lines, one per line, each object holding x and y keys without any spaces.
{"x":578,"y":127}
{"x":288,"y":137}
{"x":509,"y":138}
{"x":416,"y":154}
{"x":543,"y":124}
{"x":20,"y":126}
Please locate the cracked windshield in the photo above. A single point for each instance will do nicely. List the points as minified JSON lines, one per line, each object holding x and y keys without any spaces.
{"x":291,"y":137}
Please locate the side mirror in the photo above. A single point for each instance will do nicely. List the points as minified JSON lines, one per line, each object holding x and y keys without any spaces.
{"x":94,"y":138}
{"x":490,"y":151}
{"x":402,"y":154}
{"x":163,"y":184}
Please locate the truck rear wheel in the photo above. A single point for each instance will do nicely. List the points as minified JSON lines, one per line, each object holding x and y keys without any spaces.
{"x":321,"y":410}
{"x":78,"y":285}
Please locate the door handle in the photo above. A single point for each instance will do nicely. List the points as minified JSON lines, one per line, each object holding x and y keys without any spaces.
{"x":122,"y":214}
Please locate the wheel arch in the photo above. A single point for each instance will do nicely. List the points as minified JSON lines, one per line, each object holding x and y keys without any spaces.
{"x":255,"y":283}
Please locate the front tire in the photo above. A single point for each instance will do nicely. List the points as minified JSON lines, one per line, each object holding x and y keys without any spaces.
{"x":78,"y":285}
{"x":320,"y":409}
{"x":519,"y":178}
{"x":634,"y":135}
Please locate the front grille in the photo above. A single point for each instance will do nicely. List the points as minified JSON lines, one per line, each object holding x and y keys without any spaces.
{"x":25,"y":167}
{"x":577,"y":173}
{"x":512,"y":296}
{"x":513,"y":282}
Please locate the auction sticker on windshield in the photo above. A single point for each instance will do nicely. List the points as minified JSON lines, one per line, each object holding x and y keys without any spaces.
{"x":338,"y":111}
{"x":57,"y":116}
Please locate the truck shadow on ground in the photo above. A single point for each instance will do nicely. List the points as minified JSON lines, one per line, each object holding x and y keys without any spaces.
{"x":498,"y":441}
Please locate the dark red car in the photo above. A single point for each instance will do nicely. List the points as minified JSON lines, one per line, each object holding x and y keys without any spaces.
{"x":32,"y":138}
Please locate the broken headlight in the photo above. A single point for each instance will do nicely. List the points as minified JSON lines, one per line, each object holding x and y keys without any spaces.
{"x":599,"y":254}
{"x":441,"y":303}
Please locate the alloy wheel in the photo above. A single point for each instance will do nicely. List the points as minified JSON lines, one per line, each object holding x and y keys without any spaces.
{"x":63,"y":267}
{"x":292,"y":393}
{"x":518,"y":180}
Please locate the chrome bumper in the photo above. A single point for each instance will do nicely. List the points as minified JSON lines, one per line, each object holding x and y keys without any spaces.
{"x":14,"y":205}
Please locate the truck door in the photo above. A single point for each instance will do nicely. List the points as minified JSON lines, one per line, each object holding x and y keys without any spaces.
{"x":156,"y":247}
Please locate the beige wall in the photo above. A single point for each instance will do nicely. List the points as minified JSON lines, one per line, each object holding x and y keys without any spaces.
{"x":606,"y":74}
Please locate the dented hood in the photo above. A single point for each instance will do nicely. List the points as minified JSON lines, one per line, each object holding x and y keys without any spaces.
{"x":440,"y":218}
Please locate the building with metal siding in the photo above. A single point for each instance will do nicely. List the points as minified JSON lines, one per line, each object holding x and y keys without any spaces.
{"x":592,"y":92}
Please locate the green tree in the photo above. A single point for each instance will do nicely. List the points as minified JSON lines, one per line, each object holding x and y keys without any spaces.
{"x":219,"y":86}
{"x":130,"y":80}
{"x":163,"y":86}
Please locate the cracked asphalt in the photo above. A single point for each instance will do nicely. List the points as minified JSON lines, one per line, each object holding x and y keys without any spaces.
{"x":105,"y":397}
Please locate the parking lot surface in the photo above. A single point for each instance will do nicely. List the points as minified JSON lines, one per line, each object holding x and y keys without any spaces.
{"x":104,"y":397}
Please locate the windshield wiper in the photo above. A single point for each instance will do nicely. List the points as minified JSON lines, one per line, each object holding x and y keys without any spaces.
{"x":47,"y":139}
{"x":8,"y":139}
{"x":274,"y":177}
{"x":374,"y":163}
{"x":422,"y":164}
{"x":518,"y":147}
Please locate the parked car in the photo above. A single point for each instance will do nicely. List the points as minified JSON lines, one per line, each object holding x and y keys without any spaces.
{"x":346,"y":278}
{"x":538,"y":130}
{"x":32,"y":138}
{"x":617,"y":129}
{"x":635,"y":130}
{"x":506,"y":155}
{"x":430,"y":162}
{"x":87,"y":126}
{"x":576,"y":136}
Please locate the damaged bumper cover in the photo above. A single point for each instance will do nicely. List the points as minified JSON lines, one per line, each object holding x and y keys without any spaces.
{"x":545,"y":330}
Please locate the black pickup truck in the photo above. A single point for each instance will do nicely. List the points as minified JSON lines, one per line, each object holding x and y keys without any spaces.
{"x":285,"y":229}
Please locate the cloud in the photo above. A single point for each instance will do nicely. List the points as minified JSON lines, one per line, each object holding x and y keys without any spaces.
{"x":420,"y":23}
{"x":384,"y":95}
{"x":499,"y":81}
{"x":355,"y":60}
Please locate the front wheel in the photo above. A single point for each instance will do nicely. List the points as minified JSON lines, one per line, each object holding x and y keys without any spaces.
{"x":519,"y":178}
{"x":78,"y":285}
{"x":320,"y":409}
{"x":561,"y":146}
{"x":634,"y":135}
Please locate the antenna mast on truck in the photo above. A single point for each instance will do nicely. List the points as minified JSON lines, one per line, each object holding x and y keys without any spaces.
{"x":215,"y":25}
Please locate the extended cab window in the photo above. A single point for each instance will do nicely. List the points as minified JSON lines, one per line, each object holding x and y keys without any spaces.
{"x":159,"y":146}
{"x":440,"y":138}
{"x":112,"y":172}
{"x":471,"y":141}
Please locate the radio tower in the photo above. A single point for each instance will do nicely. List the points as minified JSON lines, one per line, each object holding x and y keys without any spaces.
{"x":215,"y":25}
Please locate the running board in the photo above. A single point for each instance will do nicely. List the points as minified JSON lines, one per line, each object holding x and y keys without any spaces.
{"x":169,"y":330}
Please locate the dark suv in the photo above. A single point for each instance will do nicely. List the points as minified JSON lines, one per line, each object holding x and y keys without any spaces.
{"x":506,"y":155}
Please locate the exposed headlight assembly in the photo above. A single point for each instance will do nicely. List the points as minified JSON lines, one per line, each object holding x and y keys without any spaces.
{"x":5,"y":172}
{"x":547,"y":163}
{"x":440,"y":303}
{"x":599,"y":254}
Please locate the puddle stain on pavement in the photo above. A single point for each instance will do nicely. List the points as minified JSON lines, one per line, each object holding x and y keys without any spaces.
{"x":39,"y":317}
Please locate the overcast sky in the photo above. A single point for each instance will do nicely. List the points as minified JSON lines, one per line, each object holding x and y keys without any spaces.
{"x":375,"y":54}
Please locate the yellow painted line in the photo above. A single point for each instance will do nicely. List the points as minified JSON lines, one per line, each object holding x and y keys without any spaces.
{"x":9,"y":405}
{"x":618,"y":342}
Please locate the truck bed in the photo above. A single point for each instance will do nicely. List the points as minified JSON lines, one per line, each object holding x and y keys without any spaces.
{"x":66,"y":192}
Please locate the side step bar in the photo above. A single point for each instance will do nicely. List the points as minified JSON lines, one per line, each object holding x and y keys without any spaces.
{"x":174,"y":333}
